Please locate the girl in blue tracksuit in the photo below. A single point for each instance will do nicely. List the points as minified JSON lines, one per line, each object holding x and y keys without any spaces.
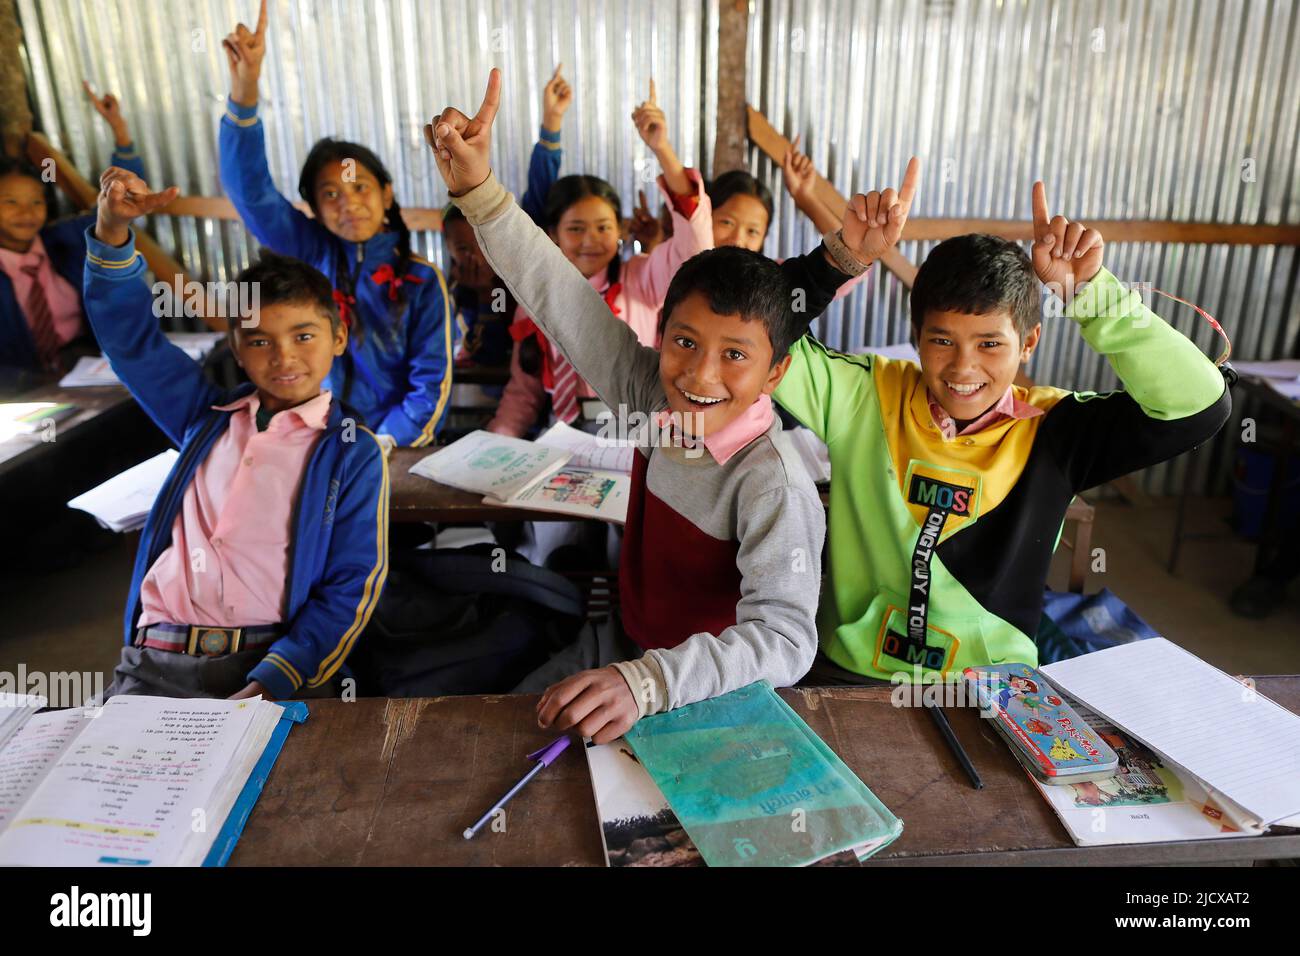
{"x":396,"y":371}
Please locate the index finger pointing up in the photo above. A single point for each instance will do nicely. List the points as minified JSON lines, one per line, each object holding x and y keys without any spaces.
{"x":652,"y":91}
{"x":910,"y":177}
{"x":1040,"y":208}
{"x":261,"y":19}
{"x":558,"y":68}
{"x":491,"y":99}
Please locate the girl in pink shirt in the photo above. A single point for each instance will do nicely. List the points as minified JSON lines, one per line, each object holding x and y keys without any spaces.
{"x":583,"y":216}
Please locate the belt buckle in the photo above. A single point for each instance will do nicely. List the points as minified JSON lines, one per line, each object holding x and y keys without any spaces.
{"x":214,"y":641}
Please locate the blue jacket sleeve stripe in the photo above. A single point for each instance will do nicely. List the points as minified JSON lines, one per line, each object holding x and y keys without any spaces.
{"x":285,"y":668}
{"x":374,"y":582}
{"x":444,"y":387}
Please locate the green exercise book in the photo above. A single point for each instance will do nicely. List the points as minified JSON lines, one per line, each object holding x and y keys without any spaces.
{"x":754,"y":786}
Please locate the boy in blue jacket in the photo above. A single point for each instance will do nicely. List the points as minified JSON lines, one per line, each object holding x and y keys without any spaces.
{"x":266,"y":550}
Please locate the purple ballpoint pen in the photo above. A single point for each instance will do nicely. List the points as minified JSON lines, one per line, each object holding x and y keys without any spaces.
{"x":544,"y":758}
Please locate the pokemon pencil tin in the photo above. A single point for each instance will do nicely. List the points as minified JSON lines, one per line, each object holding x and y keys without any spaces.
{"x":1045,"y":733}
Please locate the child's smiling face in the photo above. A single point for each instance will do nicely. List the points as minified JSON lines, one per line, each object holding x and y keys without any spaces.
{"x":969,"y":361}
{"x":714,"y":367}
{"x":288,"y":353}
{"x":350,"y":202}
{"x":22,"y":211}
{"x":740,"y":221}
{"x":588,"y":234}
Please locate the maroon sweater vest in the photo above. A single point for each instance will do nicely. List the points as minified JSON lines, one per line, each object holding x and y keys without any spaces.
{"x":674,"y":580}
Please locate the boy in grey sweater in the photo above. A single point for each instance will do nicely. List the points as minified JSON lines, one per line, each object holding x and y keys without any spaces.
{"x":720,"y":565}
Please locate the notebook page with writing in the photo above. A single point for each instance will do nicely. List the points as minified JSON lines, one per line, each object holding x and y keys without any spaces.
{"x":1237,"y":741}
{"x":589,"y":451}
{"x":31,"y":752}
{"x":133,"y":785}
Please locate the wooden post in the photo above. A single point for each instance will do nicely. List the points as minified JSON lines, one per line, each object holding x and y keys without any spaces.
{"x":733,"y":30}
{"x":15,"y":111}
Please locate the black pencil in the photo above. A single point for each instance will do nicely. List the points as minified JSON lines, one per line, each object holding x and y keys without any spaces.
{"x":945,"y":728}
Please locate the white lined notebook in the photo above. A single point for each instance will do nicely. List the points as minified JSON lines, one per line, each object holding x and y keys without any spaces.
{"x":1238,"y":742}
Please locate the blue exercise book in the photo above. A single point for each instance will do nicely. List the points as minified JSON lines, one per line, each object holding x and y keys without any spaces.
{"x":295,"y":712}
{"x":754,"y":786}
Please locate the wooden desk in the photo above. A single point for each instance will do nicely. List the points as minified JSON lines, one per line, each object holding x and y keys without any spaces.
{"x":413,"y":498}
{"x":104,"y":403}
{"x":394,"y":782}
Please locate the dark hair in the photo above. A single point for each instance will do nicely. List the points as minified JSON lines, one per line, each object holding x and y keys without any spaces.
{"x":18,"y":166}
{"x":284,"y":279}
{"x":568,"y":190}
{"x":977,"y":274}
{"x":452,"y":213}
{"x":328,"y":151}
{"x":739,"y":282}
{"x":737,"y":182}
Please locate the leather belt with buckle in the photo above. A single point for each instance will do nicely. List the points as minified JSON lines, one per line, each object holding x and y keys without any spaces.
{"x":204,"y":640}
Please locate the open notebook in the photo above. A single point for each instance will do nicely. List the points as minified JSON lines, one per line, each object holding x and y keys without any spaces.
{"x":1227,"y":745}
{"x":565,"y":471}
{"x":142,"y":781}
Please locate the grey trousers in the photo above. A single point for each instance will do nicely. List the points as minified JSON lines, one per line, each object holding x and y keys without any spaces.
{"x":146,"y":670}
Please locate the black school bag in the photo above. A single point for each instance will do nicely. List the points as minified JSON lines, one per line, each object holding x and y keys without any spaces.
{"x":463,"y":621}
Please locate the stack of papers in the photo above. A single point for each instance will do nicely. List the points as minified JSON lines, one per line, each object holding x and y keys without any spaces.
{"x":92,"y":370}
{"x":1201,"y":754}
{"x":16,"y":710}
{"x":123,"y":502}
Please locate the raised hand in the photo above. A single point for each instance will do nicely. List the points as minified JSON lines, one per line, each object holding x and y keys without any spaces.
{"x":645,"y":227}
{"x":651,"y":124}
{"x":460,"y":144}
{"x":245,"y":50}
{"x":798,"y":172}
{"x":556,"y":97}
{"x":124,"y":196}
{"x":873,"y":223}
{"x":1065,"y":254}
{"x":108,"y":107}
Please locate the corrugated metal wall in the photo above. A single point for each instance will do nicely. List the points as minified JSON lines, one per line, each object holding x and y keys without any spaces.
{"x":373,"y":71}
{"x":1145,"y":109}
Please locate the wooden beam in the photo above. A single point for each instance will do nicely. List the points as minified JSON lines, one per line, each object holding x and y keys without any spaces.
{"x":765,"y":136}
{"x":771,"y":142}
{"x":15,"y":108}
{"x":84,"y":196}
{"x":733,"y":37}
{"x":1117,"y":230}
{"x":219,"y":207}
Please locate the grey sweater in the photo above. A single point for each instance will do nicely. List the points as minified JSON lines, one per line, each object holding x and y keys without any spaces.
{"x":760,"y":508}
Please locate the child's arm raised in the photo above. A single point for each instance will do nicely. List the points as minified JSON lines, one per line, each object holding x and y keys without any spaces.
{"x":544,"y":164}
{"x":800,"y":178}
{"x":873,"y":224}
{"x":652,"y":127}
{"x":245,"y":176}
{"x":164,"y":380}
{"x":1174,"y":397}
{"x":327,"y":625}
{"x":602,"y":350}
{"x":124,"y":154}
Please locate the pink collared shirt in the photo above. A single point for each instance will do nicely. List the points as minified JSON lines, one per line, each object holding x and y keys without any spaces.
{"x":736,"y":434}
{"x":65,"y":303}
{"x":228,"y":563}
{"x":1008,"y":406}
